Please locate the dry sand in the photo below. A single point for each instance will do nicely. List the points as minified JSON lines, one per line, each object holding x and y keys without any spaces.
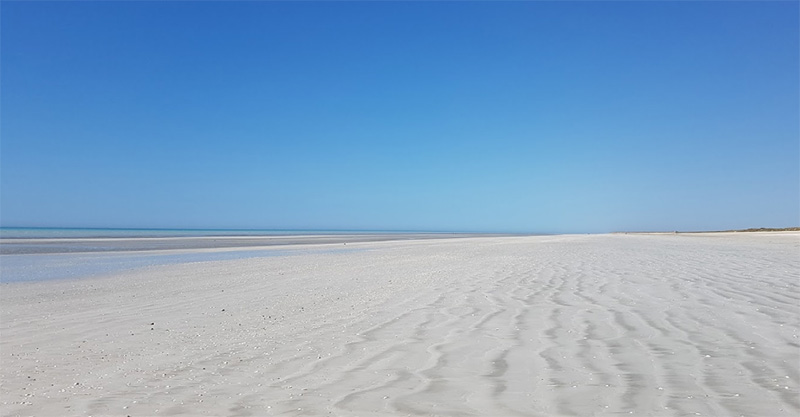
{"x":541,"y":326}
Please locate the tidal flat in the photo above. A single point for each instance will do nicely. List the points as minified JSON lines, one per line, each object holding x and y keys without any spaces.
{"x":573,"y":325}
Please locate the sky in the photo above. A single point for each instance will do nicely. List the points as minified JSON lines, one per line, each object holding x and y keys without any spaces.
{"x":531,"y":117}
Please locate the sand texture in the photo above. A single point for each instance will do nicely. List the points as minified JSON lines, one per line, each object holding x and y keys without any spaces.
{"x":644,"y":325}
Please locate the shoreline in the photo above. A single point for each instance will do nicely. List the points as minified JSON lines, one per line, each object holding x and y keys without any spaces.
{"x":55,"y":259}
{"x":21,"y":246}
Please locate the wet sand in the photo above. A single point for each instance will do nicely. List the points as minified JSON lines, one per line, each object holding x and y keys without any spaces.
{"x":541,"y":325}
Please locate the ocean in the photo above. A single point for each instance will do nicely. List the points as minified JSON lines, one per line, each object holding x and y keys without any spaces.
{"x":77,"y":233}
{"x":37,"y":254}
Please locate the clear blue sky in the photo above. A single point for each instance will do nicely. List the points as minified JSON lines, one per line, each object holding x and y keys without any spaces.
{"x":473,"y":116}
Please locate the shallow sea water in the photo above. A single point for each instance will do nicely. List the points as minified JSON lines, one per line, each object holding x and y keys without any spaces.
{"x":40,"y":254}
{"x":41,"y":267}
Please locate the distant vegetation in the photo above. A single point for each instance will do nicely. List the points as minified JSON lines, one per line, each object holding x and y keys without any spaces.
{"x":768,"y":229}
{"x":754,"y":229}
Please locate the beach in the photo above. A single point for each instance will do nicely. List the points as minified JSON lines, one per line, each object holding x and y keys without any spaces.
{"x":570,"y":325}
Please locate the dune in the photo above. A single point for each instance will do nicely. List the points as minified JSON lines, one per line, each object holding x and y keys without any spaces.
{"x":574,"y":325}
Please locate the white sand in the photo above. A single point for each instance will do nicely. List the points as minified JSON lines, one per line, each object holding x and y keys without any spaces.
{"x":558,"y":325}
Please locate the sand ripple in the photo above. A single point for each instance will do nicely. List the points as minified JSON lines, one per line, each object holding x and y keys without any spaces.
{"x":655,"y":325}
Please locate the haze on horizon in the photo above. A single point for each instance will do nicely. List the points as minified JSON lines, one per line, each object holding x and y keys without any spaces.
{"x":447,"y":116}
